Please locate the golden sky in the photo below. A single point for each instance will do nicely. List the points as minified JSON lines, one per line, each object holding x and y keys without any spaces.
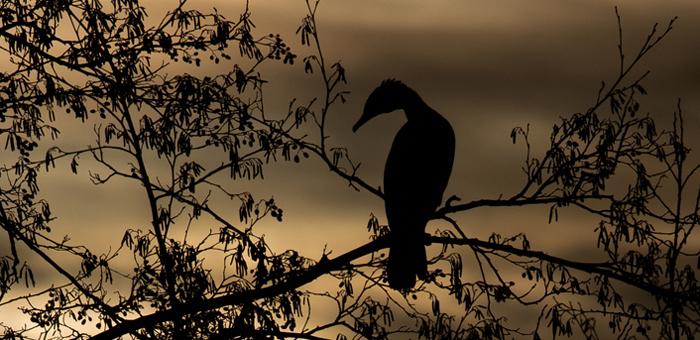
{"x":486,"y":65}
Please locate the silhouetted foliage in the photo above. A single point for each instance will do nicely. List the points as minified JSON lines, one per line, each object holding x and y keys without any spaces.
{"x":187,"y":141}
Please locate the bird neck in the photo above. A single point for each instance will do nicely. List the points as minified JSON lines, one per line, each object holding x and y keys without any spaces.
{"x":414,"y":106}
{"x":420,"y":113}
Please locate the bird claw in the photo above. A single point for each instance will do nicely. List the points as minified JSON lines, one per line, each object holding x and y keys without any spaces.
{"x":426,"y":239}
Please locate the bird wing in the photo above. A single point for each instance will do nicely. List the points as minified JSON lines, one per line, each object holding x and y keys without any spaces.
{"x":417,"y":171}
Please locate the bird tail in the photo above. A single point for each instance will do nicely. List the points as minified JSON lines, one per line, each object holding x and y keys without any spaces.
{"x":407,"y":259}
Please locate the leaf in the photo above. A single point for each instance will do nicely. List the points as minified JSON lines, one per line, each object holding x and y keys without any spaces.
{"x":74,"y":165}
{"x":614,"y":105}
{"x":307,"y":66}
{"x":48,"y":160}
{"x":436,"y":307}
{"x":340,"y":70}
{"x":29,"y":277}
{"x":640,"y":89}
{"x":127,"y":240}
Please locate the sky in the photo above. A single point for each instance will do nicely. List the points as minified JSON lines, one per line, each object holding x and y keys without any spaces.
{"x":486,"y":65}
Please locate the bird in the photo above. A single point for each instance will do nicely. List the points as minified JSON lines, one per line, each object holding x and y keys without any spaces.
{"x":416,"y":174}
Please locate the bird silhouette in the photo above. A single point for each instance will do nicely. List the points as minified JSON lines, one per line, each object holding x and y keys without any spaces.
{"x":415,"y":176}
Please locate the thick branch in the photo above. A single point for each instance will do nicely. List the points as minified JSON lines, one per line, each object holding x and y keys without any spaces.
{"x":295,"y":280}
{"x":602,"y":268}
{"x":448,"y":209}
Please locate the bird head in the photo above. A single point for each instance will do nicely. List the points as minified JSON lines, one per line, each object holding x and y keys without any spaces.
{"x":385,"y":98}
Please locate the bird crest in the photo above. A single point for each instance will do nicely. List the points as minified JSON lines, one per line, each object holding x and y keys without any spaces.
{"x":391,"y":82}
{"x":393,"y":89}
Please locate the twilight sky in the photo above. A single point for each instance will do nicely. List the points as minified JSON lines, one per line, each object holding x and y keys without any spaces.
{"x":486,"y":65}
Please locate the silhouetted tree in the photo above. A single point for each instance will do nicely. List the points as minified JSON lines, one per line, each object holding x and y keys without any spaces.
{"x":188,"y":141}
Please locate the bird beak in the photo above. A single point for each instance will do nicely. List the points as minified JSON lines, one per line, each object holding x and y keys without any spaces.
{"x":357,"y":125}
{"x":365,"y":117}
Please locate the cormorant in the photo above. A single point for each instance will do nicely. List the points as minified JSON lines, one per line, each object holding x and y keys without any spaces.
{"x":415,"y":176}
